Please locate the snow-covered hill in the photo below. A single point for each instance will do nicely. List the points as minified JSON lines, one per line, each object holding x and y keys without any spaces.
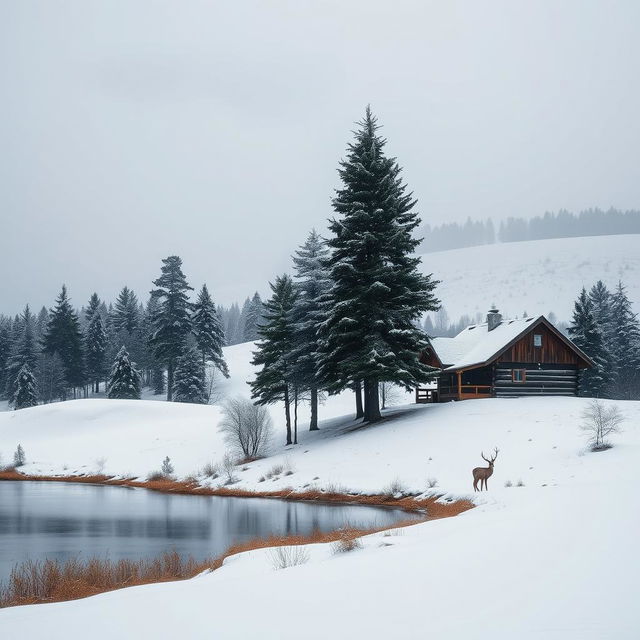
{"x":555,"y":558}
{"x":537,"y":276}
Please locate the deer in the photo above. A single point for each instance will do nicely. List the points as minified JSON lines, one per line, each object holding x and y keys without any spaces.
{"x":484,"y":473}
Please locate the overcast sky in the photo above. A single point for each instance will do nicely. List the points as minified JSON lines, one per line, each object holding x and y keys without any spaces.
{"x":132,"y":130}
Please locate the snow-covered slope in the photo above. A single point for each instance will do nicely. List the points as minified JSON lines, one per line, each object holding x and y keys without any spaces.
{"x":555,"y":559}
{"x":538,"y":276}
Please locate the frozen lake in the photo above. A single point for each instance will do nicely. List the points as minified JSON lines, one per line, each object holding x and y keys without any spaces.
{"x":41,"y":520}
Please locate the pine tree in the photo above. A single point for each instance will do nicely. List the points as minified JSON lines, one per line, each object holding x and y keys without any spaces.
{"x":95,"y":341}
{"x":126,"y":316}
{"x":24,"y":350}
{"x":377,"y":290}
{"x":208,"y":331}
{"x":51,"y":381}
{"x":274,"y":349}
{"x":63,"y":337}
{"x":601,"y":301}
{"x":310,"y":262}
{"x":153,"y":368}
{"x":172,"y":321}
{"x":5,"y":351}
{"x":252,"y":318}
{"x":586,"y":334}
{"x":124,"y":381}
{"x":26,"y":394}
{"x":189,"y":382}
{"x":625,"y":330}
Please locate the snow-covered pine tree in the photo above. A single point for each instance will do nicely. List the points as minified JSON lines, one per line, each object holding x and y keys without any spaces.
{"x":586,"y":334}
{"x":126,"y":316}
{"x":124,"y":381}
{"x":172,"y":319}
{"x":51,"y":381}
{"x":24,"y":350}
{"x":626,"y":341}
{"x":95,"y":343}
{"x":63,"y":337}
{"x":5,"y":352}
{"x":208,"y":331}
{"x":377,"y":290}
{"x":252,"y":318}
{"x":601,"y":302}
{"x":232,"y":326}
{"x":275,"y":347}
{"x":310,"y":264}
{"x":26,"y":393}
{"x":189,"y":380}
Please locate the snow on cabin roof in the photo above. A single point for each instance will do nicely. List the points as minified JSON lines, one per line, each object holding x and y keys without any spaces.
{"x":476,"y":344}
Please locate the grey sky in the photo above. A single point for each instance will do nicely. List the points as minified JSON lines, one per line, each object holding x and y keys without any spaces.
{"x":133,"y":130}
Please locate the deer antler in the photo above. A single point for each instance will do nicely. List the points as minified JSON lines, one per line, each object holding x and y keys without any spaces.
{"x":482,"y":456}
{"x":493,"y":459}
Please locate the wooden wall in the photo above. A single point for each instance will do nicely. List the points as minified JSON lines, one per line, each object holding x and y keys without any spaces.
{"x":552,"y":351}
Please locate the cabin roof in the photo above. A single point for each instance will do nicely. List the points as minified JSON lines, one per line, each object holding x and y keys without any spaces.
{"x":476,"y":345}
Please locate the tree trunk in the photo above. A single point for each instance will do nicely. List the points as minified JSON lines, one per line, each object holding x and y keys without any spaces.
{"x":287,"y":413}
{"x":295,"y":417}
{"x":313,"y":424}
{"x":170,"y":381}
{"x":357,"y":387}
{"x":371,"y":401}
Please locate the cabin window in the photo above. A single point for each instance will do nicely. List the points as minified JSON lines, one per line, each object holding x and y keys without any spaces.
{"x":537,"y":339}
{"x":519,"y":375}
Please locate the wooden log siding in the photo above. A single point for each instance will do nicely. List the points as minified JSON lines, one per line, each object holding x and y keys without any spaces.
{"x":548,"y":381}
{"x":553,"y":350}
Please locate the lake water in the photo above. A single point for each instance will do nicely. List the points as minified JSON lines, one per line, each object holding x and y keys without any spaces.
{"x":60,"y":520}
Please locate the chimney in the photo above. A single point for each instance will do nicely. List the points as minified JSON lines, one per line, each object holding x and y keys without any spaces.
{"x":493,"y":319}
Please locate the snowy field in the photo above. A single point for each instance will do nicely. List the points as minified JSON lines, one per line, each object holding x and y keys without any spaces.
{"x":555,"y":558}
{"x":536,"y":276}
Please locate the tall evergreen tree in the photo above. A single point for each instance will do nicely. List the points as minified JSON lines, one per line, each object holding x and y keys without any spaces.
{"x":377,"y":290}
{"x":24,"y":350}
{"x":95,"y":342}
{"x":172,"y":320}
{"x":274,"y":350}
{"x":313,"y":283}
{"x":189,"y":382}
{"x":26,"y":393}
{"x":124,"y":381}
{"x":252,"y":318}
{"x":63,"y":337}
{"x":208,"y":331}
{"x":126,"y":315}
{"x":586,"y":334}
{"x":626,"y":345}
{"x":5,"y":352}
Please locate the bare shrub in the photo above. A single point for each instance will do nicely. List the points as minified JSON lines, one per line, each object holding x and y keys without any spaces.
{"x":227,"y":467}
{"x":349,"y":540}
{"x":508,"y":483}
{"x":100,"y":464}
{"x":154,"y":476}
{"x":247,"y":427}
{"x":211,"y":470}
{"x":283,"y":557}
{"x":599,"y":422}
{"x":394,"y":488}
{"x":432,"y":482}
{"x":19,"y":457}
{"x":276,"y":470}
{"x":520,"y":483}
{"x":167,"y":467}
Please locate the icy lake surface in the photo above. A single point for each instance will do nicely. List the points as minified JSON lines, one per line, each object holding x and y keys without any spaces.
{"x":58,"y":520}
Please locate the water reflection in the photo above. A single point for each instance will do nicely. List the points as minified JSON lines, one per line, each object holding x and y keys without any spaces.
{"x":55,"y":520}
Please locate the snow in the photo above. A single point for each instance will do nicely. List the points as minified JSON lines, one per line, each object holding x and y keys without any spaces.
{"x":555,"y":558}
{"x":536,"y":276}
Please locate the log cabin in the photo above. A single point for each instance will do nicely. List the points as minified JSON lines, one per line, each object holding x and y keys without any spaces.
{"x":503,"y":358}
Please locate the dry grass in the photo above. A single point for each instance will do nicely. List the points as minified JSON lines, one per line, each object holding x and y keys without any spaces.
{"x":284,"y":557}
{"x":348,"y":540}
{"x":51,"y":581}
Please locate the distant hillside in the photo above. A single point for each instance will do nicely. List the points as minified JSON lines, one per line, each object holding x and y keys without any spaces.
{"x":537,"y":276}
